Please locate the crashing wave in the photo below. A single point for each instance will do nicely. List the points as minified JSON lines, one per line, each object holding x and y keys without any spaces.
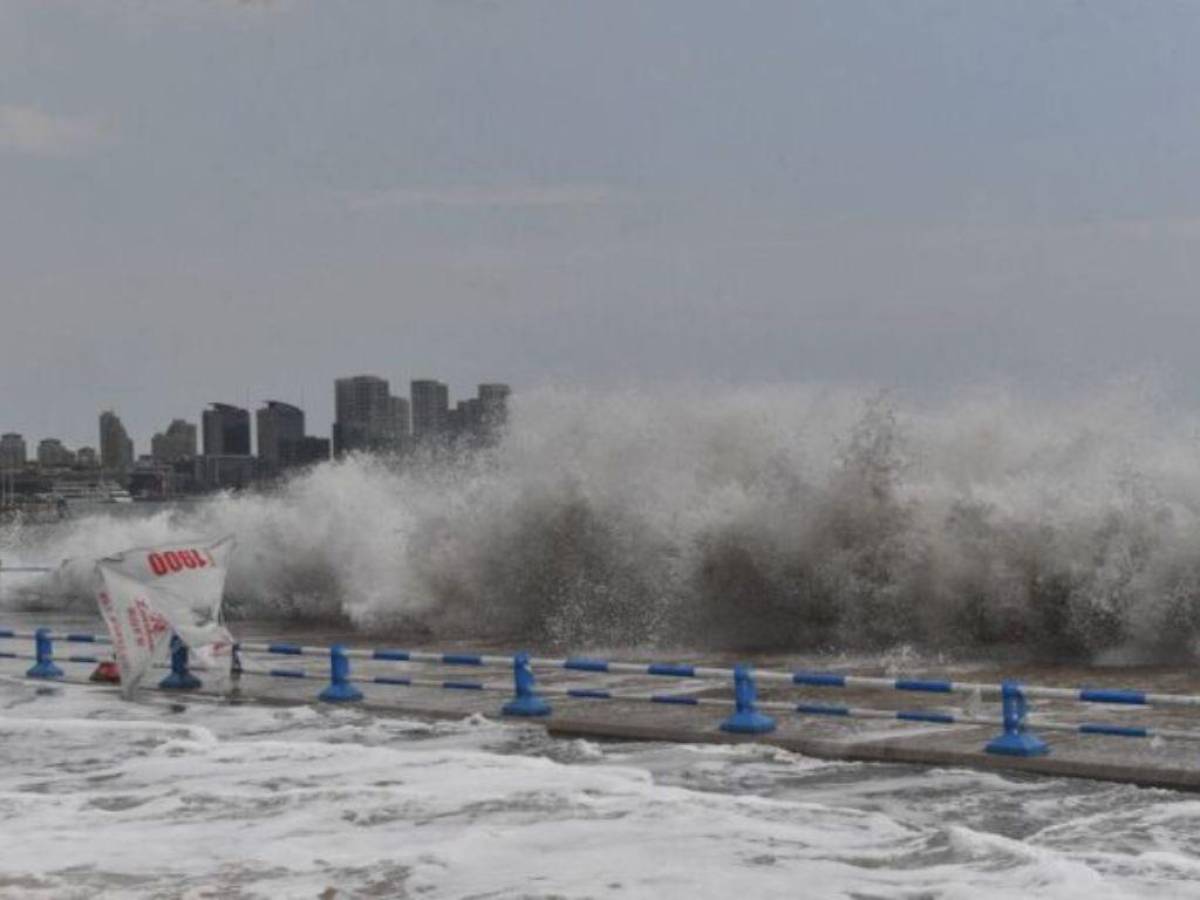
{"x":765,"y":518}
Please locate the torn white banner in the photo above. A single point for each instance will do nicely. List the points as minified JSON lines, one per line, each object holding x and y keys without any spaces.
{"x":147,"y":593}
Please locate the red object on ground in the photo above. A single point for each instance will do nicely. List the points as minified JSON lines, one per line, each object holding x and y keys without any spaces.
{"x":107,"y":672}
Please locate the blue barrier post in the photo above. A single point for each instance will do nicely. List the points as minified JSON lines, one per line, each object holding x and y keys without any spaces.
{"x":180,"y":678}
{"x":44,"y":667}
{"x":525,"y":702}
{"x":340,"y":689}
{"x":746,"y":718}
{"x":1015,"y":741}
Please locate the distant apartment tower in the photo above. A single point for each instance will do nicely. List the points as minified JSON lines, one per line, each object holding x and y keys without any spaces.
{"x":360,"y":398}
{"x":493,"y":411}
{"x":359,"y":401}
{"x":176,"y":444}
{"x":367,"y":416}
{"x":279,"y":424}
{"x":85,"y":457}
{"x":12,"y":451}
{"x":464,"y":422}
{"x":116,"y":448}
{"x":226,"y":430}
{"x":430,"y":410}
{"x":493,"y":398}
{"x":51,"y":454}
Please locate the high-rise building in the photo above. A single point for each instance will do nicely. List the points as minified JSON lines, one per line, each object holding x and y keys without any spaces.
{"x":176,"y":444}
{"x":367,"y":416}
{"x":464,"y":422}
{"x":85,"y":457}
{"x":12,"y":451}
{"x":360,"y":399}
{"x":226,"y":430}
{"x":493,"y":411}
{"x":278,"y":424}
{"x":430,"y":410}
{"x":51,"y":454}
{"x":116,"y":448}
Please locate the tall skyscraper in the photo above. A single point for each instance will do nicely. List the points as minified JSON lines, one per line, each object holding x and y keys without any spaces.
{"x":226,"y":430}
{"x":367,"y":416}
{"x":279,"y":424}
{"x":176,"y":444}
{"x":13,"y":452}
{"x":430,"y":410}
{"x":116,"y":448}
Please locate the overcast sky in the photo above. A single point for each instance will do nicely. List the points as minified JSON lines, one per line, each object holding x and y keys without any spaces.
{"x":238,"y":201}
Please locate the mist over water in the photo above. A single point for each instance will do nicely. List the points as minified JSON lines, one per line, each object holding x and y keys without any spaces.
{"x":788,"y":517}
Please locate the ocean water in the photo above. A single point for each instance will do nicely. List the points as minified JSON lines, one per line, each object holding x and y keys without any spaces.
{"x":199,"y":798}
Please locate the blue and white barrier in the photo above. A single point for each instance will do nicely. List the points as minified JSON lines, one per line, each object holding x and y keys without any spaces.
{"x":748,"y":716}
{"x":1015,"y":738}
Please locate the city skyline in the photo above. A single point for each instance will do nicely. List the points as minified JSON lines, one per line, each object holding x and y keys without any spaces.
{"x":224,"y":429}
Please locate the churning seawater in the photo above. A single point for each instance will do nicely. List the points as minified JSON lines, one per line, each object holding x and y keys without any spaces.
{"x":103,"y":798}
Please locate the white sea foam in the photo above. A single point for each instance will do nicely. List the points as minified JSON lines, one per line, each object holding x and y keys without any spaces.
{"x":103,"y":798}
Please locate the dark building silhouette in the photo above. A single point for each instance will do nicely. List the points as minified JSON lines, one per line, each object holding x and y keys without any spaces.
{"x":367,"y":416}
{"x":360,"y":398}
{"x":116,"y":449}
{"x":493,"y":398}
{"x":307,"y":451}
{"x":226,"y":430}
{"x":492,"y":411}
{"x":463,"y":423}
{"x":51,"y":454}
{"x":430,"y":410}
{"x":13,"y":452}
{"x":176,"y":444}
{"x":278,"y":424}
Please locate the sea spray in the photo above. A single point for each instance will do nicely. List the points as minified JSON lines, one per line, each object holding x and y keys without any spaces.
{"x":753,"y":518}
